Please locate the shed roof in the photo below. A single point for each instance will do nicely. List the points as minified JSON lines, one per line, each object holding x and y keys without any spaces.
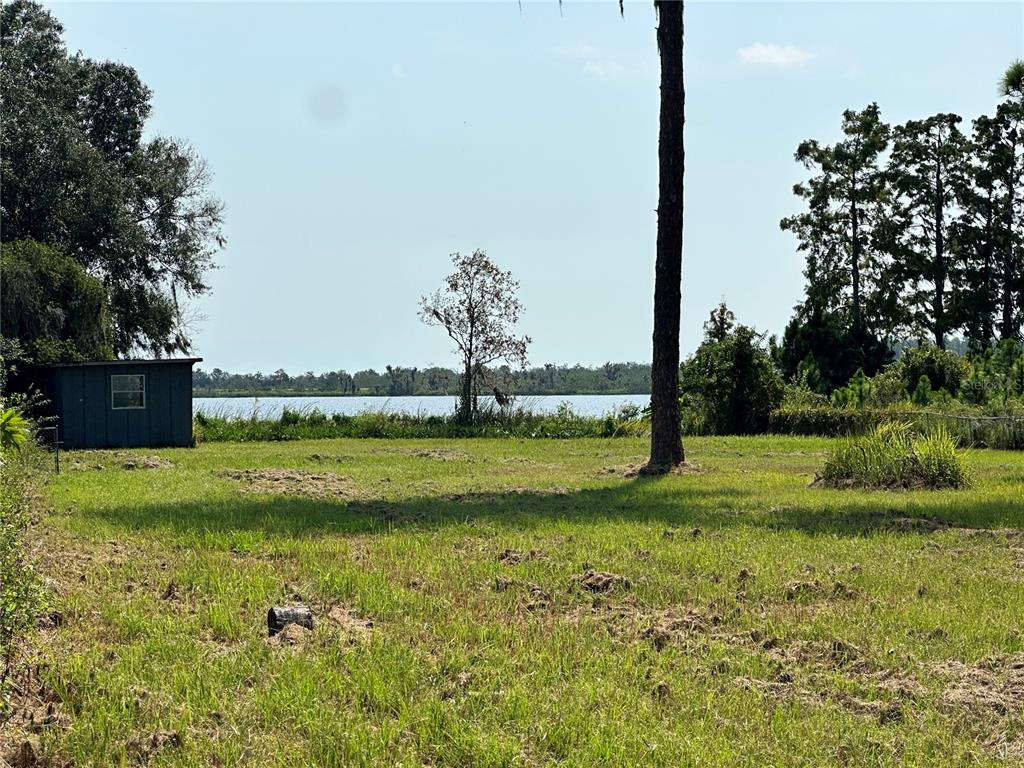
{"x":154,"y":361}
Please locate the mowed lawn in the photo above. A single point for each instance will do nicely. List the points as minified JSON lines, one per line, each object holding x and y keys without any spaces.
{"x":735,"y":616}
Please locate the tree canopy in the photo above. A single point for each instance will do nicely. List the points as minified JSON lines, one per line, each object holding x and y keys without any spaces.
{"x":79,"y":175}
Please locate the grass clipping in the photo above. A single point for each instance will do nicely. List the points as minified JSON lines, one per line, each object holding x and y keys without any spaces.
{"x":895,"y":456}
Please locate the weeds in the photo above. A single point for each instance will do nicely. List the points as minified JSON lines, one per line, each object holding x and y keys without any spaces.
{"x":894,"y":456}
{"x":496,"y":422}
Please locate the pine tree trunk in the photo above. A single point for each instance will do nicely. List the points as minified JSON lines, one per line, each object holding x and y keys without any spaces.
{"x":666,"y":436}
{"x":940,"y":262}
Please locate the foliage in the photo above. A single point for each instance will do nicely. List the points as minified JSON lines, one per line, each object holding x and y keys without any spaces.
{"x":818,"y":347}
{"x":730,"y":385}
{"x":925,"y":241}
{"x":894,"y":456}
{"x":397,"y":381}
{"x":78,"y":175}
{"x":478,"y":308}
{"x":14,"y":431}
{"x":51,"y":305}
{"x":19,"y":589}
{"x":294,"y":424}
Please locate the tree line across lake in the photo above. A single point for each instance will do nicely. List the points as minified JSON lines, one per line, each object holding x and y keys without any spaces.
{"x":397,"y":381}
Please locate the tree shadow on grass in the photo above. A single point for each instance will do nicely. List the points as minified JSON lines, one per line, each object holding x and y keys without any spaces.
{"x":685,"y":506}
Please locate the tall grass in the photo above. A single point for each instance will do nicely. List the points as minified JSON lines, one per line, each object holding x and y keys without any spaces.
{"x":492,"y":422}
{"x":895,"y":456}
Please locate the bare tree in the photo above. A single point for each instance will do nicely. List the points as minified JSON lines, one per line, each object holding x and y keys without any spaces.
{"x":478,"y":308}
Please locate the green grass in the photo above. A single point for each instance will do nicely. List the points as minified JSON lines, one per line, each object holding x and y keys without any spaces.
{"x":733,"y":645}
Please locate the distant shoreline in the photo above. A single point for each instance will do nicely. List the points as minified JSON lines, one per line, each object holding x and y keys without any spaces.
{"x":233,"y":394}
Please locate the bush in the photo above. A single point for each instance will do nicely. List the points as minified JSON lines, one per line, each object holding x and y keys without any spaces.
{"x":894,"y":456}
{"x":944,"y":369}
{"x":730,"y":386}
{"x":19,"y":592}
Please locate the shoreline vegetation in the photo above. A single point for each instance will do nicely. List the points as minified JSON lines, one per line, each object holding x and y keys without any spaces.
{"x":969,"y":428}
{"x":398,"y":381}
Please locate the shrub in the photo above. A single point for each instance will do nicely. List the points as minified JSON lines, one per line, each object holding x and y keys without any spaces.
{"x":894,"y":456}
{"x":730,"y":385}
{"x":923,"y":392}
{"x":19,"y":592}
{"x":943,"y":368}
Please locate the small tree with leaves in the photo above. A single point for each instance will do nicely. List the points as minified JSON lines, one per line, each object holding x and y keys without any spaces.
{"x":478,"y":308}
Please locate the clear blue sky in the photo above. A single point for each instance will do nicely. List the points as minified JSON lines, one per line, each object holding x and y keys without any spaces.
{"x":356,"y":145}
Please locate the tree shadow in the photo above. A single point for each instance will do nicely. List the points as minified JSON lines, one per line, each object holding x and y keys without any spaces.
{"x":640,"y":500}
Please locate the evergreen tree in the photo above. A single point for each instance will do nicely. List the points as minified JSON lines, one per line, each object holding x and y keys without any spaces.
{"x":927,"y":167}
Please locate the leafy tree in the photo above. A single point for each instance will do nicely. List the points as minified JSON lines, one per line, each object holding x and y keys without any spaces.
{"x":843,"y":206}
{"x":731,"y":379}
{"x":478,"y":308}
{"x":927,"y":168}
{"x":981,"y":240}
{"x":51,"y":306}
{"x":1010,"y":114}
{"x":77,"y":175}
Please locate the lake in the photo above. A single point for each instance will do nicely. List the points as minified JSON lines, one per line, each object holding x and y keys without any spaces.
{"x":426,"y":405}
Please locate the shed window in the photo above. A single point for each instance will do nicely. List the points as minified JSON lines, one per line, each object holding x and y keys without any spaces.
{"x":127,"y":391}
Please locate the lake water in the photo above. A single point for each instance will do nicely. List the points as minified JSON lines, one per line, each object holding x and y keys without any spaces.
{"x":426,"y":405}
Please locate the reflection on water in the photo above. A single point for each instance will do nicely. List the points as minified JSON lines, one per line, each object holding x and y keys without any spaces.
{"x":426,"y":405}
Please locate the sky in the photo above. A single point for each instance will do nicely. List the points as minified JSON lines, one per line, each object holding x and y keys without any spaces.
{"x":357,"y":145}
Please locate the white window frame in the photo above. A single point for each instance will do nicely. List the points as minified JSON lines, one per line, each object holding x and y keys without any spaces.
{"x":114,"y":390}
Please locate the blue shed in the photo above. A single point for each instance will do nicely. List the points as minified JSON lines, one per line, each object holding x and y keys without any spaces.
{"x":121,"y":403}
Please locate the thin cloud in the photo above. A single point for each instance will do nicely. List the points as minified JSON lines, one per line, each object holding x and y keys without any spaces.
{"x":595,"y":62}
{"x":603,"y":68}
{"x":771,"y":55}
{"x":398,"y":72}
{"x":577,"y":51}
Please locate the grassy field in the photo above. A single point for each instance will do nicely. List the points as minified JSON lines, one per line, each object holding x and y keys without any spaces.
{"x":527,"y":603}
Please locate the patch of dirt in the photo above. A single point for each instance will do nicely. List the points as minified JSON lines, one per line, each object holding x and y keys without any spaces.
{"x":293,"y":482}
{"x":515,"y":556}
{"x":538,"y":599}
{"x":638,"y":470}
{"x":321,"y":458}
{"x":146,"y":462}
{"x":439,"y":454}
{"x":29,"y":754}
{"x":31,"y":707}
{"x":77,"y":465}
{"x":993,"y":685}
{"x":354,"y":627}
{"x":598,"y":581}
{"x":144,"y":747}
{"x":914,"y":525}
{"x":675,"y":625}
{"x":292,"y":635}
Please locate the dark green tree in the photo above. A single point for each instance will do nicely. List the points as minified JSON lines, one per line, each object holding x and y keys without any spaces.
{"x":1010,"y":115}
{"x":77,"y":175}
{"x":981,"y":243}
{"x":50,"y":306}
{"x":927,"y":167}
{"x":731,"y":380}
{"x":848,"y":312}
{"x":843,"y":205}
